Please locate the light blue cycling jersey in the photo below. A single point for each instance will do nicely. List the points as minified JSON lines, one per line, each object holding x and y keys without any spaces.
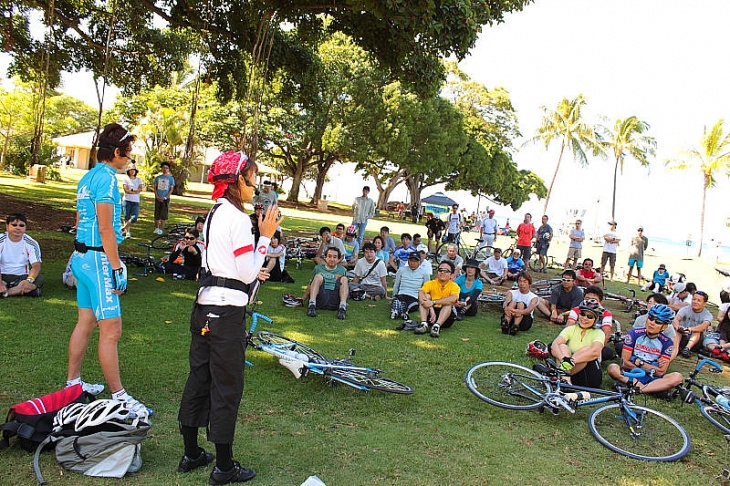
{"x":99,"y":185}
{"x":92,"y":269}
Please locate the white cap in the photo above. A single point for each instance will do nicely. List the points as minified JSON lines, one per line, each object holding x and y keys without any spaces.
{"x":422,"y":247}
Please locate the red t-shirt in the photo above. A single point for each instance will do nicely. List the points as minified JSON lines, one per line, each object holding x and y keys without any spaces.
{"x":525,"y":234}
{"x":587,"y":273}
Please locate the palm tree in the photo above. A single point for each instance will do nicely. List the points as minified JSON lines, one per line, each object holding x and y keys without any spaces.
{"x":713,"y":156}
{"x":566,"y":124}
{"x":628,"y":139}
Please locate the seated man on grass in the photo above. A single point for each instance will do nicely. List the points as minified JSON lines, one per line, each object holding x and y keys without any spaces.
{"x":691,"y":322}
{"x":329,"y":287}
{"x":519,"y":306}
{"x":20,"y":260}
{"x":587,"y":275}
{"x":408,"y":282}
{"x":370,"y":274}
{"x":494,"y":268}
{"x":452,"y":255}
{"x":436,"y":301}
{"x":563,"y":298}
{"x":515,"y":265}
{"x":651,"y":350}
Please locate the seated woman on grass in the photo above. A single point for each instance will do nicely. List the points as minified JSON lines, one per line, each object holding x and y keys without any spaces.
{"x":470,"y":288}
{"x":578,"y":348}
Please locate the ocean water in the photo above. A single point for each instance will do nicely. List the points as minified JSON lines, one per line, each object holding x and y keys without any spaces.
{"x":711,"y":250}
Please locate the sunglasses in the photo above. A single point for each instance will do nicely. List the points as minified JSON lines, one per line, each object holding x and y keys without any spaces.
{"x":567,"y":279}
{"x":654,"y":319}
{"x":444,"y":270}
{"x":190,"y":238}
{"x":18,"y":225}
{"x":589,"y":315}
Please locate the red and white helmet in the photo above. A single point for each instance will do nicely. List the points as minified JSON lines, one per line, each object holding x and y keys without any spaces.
{"x":537,"y":349}
{"x":351,"y":230}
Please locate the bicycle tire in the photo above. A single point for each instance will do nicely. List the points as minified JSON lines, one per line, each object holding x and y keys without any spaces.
{"x":508,"y":252}
{"x":718,"y":417}
{"x":483,"y":252}
{"x":277,"y":340}
{"x":163,"y":242}
{"x":492,"y":298}
{"x":534,"y":262}
{"x":658,"y":438}
{"x":369,"y":380}
{"x":524,"y":388}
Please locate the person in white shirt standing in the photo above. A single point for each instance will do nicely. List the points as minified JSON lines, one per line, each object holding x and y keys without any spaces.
{"x":488,"y":231}
{"x":609,"y":249}
{"x":133,"y":186}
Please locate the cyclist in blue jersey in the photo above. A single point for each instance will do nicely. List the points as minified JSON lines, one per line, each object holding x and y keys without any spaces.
{"x":101,"y":277}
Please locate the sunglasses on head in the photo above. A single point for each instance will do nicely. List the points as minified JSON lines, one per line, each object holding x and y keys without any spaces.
{"x":589,"y":315}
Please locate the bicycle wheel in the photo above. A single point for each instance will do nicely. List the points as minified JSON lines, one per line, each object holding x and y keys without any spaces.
{"x":534,"y":262}
{"x":507,"y":385}
{"x":483,"y":252}
{"x":441,"y":251}
{"x":283,"y":342}
{"x":719,"y":417}
{"x":164,"y":242}
{"x":369,"y":380}
{"x":651,"y":436}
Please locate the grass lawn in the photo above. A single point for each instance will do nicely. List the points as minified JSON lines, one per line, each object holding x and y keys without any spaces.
{"x":289,"y":429}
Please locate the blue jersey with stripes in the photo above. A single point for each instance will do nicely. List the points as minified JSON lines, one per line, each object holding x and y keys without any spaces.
{"x":99,"y":185}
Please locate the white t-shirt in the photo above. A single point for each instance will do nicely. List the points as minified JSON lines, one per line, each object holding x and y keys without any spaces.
{"x":133,"y":184}
{"x":454,"y":222}
{"x":518,"y":296}
{"x":231,"y":253}
{"x":496,"y":266}
{"x":16,"y":258}
{"x":610,"y":247}
{"x":362,"y":267}
{"x":281,"y":253}
{"x":489,"y":226}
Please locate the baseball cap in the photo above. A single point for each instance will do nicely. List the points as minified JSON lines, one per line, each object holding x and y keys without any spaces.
{"x":414,"y":255}
{"x":422,"y":247}
{"x":267,"y":183}
{"x":613,"y":223}
{"x":641,"y":228}
{"x":491,"y":211}
{"x":662,"y":266}
{"x":679,"y":287}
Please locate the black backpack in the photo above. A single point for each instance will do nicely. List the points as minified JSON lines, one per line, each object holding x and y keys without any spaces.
{"x":32,"y":421}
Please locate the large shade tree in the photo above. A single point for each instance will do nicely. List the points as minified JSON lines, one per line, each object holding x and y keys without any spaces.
{"x":628,"y":139}
{"x":565,"y":124}
{"x":712,"y":158}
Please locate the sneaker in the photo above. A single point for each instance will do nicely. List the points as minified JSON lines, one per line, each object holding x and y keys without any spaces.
{"x":92,"y":388}
{"x":435,"y":330}
{"x":715,"y":351}
{"x":393,"y":315}
{"x":686,"y":353}
{"x":128,"y":235}
{"x":138,"y":408}
{"x":187,"y":464}
{"x":421,"y":329}
{"x":459,"y":314}
{"x":236,"y":474}
{"x":504,"y":324}
{"x":158,"y":231}
{"x":513,"y":330}
{"x":34,"y":293}
{"x":312,"y":310}
{"x":341,"y":313}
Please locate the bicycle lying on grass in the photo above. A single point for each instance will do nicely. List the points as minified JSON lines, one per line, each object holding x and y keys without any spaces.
{"x":631,"y":430}
{"x":301,"y":360}
{"x":709,"y":398}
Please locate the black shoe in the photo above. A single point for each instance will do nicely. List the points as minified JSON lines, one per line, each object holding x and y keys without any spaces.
{"x":312,"y":311}
{"x":341,"y":313}
{"x":236,"y":474}
{"x":504,"y":324}
{"x":686,"y":353}
{"x":513,"y":330}
{"x":186,"y":464}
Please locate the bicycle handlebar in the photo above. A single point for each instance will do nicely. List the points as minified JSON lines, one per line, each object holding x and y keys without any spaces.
{"x":635,"y":373}
{"x":714,"y":367}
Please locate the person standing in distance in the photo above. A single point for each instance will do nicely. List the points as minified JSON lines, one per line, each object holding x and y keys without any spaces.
{"x":101,"y":277}
{"x":232,"y":266}
{"x":163,"y":186}
{"x":362,"y":209}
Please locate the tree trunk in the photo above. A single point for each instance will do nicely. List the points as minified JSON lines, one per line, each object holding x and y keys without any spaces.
{"x":706,"y":181}
{"x":555,"y":175}
{"x":187,"y":159}
{"x":613,"y":201}
{"x":323,"y":167}
{"x":384,"y":191}
{"x":296,"y":183}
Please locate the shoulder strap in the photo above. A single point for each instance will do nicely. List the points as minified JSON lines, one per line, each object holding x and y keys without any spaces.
{"x":377,"y":260}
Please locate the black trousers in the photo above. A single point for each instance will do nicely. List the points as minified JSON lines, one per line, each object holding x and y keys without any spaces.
{"x":214,"y":388}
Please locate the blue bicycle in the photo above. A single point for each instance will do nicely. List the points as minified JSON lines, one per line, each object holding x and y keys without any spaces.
{"x":300,"y":359}
{"x":709,"y":398}
{"x":631,"y":430}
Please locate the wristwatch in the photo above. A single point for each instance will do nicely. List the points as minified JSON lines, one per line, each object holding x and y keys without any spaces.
{"x":30,"y":279}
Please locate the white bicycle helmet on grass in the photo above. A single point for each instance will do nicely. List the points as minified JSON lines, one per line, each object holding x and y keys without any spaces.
{"x":102,"y":412}
{"x":67,"y":415}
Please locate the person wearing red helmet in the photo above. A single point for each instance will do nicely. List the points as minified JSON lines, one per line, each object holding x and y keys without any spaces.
{"x":352,"y":247}
{"x":232,"y":266}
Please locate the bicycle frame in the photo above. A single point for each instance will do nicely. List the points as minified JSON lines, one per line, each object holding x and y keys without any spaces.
{"x":709,"y":393}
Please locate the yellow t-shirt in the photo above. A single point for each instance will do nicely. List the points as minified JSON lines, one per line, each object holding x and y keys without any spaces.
{"x":575,"y":341}
{"x":437,"y":291}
